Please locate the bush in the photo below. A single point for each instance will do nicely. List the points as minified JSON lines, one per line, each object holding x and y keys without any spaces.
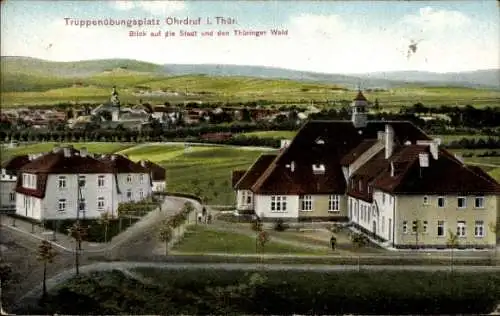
{"x":280,"y":226}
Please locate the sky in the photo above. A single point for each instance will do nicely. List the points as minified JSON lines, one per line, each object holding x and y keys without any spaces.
{"x":323,"y":36}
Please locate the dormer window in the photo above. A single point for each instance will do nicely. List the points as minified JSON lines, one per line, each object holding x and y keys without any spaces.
{"x":360,"y":185}
{"x":318,"y":168}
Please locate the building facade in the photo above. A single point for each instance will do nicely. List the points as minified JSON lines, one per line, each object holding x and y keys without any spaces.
{"x":388,"y":178}
{"x":68,"y":184}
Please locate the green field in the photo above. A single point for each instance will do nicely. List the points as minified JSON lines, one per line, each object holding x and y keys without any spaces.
{"x":271,"y":134}
{"x":94,"y":147}
{"x":199,"y":239}
{"x":449,"y":138}
{"x":27,"y":81}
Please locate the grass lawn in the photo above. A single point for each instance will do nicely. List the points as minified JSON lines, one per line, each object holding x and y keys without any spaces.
{"x":449,"y":138}
{"x":93,"y":147}
{"x":478,"y":160}
{"x":203,"y":240}
{"x":271,"y":134}
{"x":495,"y":173}
{"x":204,"y":168}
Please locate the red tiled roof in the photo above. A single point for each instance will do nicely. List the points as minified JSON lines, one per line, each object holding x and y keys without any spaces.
{"x":158,"y":173}
{"x":54,"y":163}
{"x":254,"y":172}
{"x":121,"y":164}
{"x":357,"y":151}
{"x":236,"y":176}
{"x":324,"y":142}
{"x":446,"y":175}
{"x":15,"y":163}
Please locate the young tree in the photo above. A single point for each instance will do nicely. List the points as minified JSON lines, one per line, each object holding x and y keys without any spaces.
{"x":77,"y":232}
{"x":452,"y":243}
{"x":104,"y":221}
{"x":46,"y":255}
{"x":359,"y":241}
{"x":166,"y":235}
{"x":262,"y":239}
{"x":418,"y":230}
{"x":495,"y":230}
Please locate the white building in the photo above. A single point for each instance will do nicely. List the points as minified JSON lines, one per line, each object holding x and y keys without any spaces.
{"x":158,"y":175}
{"x":57,"y":184}
{"x":8,"y":180}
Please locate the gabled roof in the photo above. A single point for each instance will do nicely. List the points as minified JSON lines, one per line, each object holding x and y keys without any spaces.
{"x":325,"y":142}
{"x":158,"y":173}
{"x":58,"y":163}
{"x":121,"y":164}
{"x":236,"y":176}
{"x":354,"y":154}
{"x":15,"y":163}
{"x":446,"y":175}
{"x":254,"y":172}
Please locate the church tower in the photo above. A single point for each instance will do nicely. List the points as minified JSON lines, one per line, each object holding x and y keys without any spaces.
{"x":115,"y":102}
{"x":359,"y":109}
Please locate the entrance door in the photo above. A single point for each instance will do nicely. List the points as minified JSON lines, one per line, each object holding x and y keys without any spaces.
{"x":390,"y":229}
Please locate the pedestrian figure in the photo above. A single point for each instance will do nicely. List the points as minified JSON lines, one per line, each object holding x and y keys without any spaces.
{"x":209,"y":218}
{"x":333,"y":242}
{"x":204,"y":211}
{"x":199,"y":217}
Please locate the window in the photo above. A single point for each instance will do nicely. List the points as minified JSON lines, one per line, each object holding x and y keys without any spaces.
{"x":383,"y":198}
{"x":440,"y":229}
{"x":141,"y":194}
{"x":424,"y":227}
{"x":479,"y":229}
{"x":12,"y":196}
{"x":461,"y":202}
{"x":369,"y":189}
{"x":440,"y":201}
{"x":414,"y":227}
{"x":249,"y":198}
{"x":141,"y":178}
{"x":62,"y":205}
{"x":369,"y":212}
{"x":352,"y":183}
{"x":333,"y":203}
{"x":360,"y":185}
{"x":278,"y":203}
{"x":362,"y":213}
{"x":62,"y":182}
{"x":461,"y":229}
{"x":129,"y":178}
{"x":129,"y":194}
{"x":479,"y":202}
{"x":100,"y":181}
{"x":100,"y":203}
{"x":426,"y":200}
{"x":81,"y":181}
{"x":306,"y":203}
{"x":82,"y":205}
{"x":405,"y":227}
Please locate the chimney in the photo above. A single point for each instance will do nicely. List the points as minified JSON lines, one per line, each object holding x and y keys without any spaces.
{"x":423,"y":159}
{"x":143,"y":163}
{"x":83,"y":152}
{"x":292,"y":166}
{"x":113,"y":157}
{"x":56,"y":149}
{"x":67,"y":152}
{"x":392,"y":169}
{"x":389,"y":141}
{"x":459,"y":158}
{"x":434,"y":148}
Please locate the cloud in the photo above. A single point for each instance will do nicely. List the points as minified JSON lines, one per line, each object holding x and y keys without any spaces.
{"x":437,"y":19}
{"x":153,"y":7}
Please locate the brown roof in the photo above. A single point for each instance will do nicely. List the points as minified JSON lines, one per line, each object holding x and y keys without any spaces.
{"x":158,"y":173}
{"x":121,"y":164}
{"x":360,"y":96}
{"x":236,"y":176}
{"x":325,"y":142}
{"x":41,"y":184}
{"x":15,"y":163}
{"x":354,"y":154}
{"x":446,"y":175}
{"x":53,"y":163}
{"x":254,"y":172}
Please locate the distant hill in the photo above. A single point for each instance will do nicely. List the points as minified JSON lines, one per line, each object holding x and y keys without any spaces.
{"x":473,"y":79}
{"x":32,"y":74}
